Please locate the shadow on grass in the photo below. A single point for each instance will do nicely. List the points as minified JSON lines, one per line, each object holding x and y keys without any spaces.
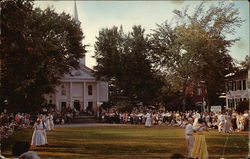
{"x":125,"y":142}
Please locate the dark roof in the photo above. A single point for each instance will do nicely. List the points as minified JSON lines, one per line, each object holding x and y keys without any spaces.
{"x":243,"y":73}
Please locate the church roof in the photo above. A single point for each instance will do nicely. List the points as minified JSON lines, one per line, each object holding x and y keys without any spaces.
{"x":83,"y":72}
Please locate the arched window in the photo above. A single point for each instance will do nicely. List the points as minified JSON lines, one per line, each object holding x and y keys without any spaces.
{"x":90,"y":91}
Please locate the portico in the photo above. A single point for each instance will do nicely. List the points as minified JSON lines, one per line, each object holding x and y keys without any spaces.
{"x":79,"y":90}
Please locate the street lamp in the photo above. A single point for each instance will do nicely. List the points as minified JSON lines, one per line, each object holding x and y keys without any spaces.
{"x":204,"y":104}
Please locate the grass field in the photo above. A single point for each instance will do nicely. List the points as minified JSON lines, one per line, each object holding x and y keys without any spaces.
{"x":127,"y":141}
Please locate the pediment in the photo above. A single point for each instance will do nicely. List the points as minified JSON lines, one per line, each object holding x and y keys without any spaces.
{"x":82,"y":72}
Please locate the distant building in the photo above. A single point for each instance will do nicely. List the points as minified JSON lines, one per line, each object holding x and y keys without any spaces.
{"x":237,"y":88}
{"x":79,"y":89}
{"x":198,"y":94}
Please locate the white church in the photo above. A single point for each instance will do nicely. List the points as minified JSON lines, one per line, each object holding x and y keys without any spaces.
{"x":79,"y":89}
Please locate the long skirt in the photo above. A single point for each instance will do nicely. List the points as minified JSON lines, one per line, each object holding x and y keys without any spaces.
{"x":148,"y":122}
{"x":45,"y":136}
{"x":51,"y":123}
{"x":200,"y":147}
{"x":48,"y":128}
{"x":38,"y":138}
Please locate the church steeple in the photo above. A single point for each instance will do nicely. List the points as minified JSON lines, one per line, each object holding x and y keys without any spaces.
{"x":75,"y":16}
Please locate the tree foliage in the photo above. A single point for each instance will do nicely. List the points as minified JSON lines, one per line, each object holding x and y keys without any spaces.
{"x":38,"y":47}
{"x":246,"y":63}
{"x":122,"y":60}
{"x":196,"y":49}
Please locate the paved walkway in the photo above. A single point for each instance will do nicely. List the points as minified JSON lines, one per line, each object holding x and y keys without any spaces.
{"x":88,"y":125}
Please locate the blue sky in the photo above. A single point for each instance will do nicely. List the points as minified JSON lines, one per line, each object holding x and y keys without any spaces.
{"x":95,"y":15}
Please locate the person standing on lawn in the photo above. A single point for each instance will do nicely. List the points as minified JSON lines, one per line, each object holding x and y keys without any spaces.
{"x":189,"y":130}
{"x":38,"y":138}
{"x":148,"y":122}
{"x":199,"y":150}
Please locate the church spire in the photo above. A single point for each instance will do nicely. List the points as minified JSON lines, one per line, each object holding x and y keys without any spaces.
{"x":75,"y":16}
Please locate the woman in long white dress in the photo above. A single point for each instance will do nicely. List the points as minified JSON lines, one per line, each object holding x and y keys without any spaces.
{"x":38,"y":138}
{"x":148,"y":122}
{"x":45,"y":129}
{"x":47,"y":121}
{"x":51,"y":122}
{"x":226,"y":128}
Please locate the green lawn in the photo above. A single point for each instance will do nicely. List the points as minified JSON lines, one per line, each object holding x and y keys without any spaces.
{"x":126,"y":142}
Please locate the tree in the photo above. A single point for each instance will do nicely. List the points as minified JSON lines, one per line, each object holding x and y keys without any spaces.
{"x":122,"y":61}
{"x":196,"y":49}
{"x":140,"y":81}
{"x":109,"y":51}
{"x":38,"y":48}
{"x":246,"y":63}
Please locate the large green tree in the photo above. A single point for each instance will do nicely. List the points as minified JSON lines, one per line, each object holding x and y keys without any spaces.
{"x":196,"y":48}
{"x":140,"y":81}
{"x":38,"y":47}
{"x":122,"y":60}
{"x":109,"y":52}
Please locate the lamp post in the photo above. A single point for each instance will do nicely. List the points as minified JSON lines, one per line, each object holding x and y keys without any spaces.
{"x":204,"y":104}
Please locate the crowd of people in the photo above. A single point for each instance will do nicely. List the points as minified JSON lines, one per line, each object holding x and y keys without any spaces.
{"x":226,"y":121}
{"x":9,"y":122}
{"x":193,"y":121}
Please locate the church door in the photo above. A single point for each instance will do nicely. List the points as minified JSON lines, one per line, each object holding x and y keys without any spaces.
{"x":77,"y":105}
{"x":63,"y":105}
{"x":90,"y":107}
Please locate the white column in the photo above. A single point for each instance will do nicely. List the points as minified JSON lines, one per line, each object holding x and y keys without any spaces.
{"x":70,"y":95}
{"x":58,"y":106}
{"x":234,"y":102}
{"x":97,"y":92}
{"x":84,"y":96}
{"x":82,"y":102}
{"x":97,"y":98}
{"x":226,"y":102}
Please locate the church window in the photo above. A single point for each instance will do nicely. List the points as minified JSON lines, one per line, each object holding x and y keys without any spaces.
{"x":63,"y":90}
{"x":238,"y":85}
{"x":90,"y":91}
{"x":244,"y":84}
